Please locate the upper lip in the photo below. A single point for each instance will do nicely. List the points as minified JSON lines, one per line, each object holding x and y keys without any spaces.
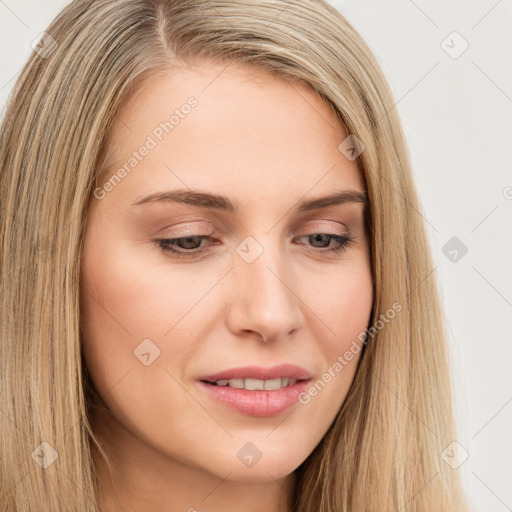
{"x":257,"y":372}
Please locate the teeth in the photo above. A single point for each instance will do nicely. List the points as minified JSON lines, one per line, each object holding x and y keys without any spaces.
{"x":254,"y":384}
{"x":257,"y":384}
{"x":236,"y":383}
{"x":272,"y":384}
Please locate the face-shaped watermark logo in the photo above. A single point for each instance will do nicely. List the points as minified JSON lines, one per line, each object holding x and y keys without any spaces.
{"x":454,"y":455}
{"x":249,"y":249}
{"x":146,"y":352}
{"x":454,"y":45}
{"x":249,"y":455}
{"x":351,"y":147}
{"x":454,"y":249}
{"x":44,"y":45}
{"x":45,"y":455}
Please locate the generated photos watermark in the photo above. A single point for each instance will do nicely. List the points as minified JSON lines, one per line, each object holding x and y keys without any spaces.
{"x":343,"y":359}
{"x":152,"y":140}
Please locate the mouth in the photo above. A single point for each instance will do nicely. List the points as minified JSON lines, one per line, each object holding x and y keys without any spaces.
{"x":255,"y":384}
{"x":256,"y":391}
{"x":253,"y":374}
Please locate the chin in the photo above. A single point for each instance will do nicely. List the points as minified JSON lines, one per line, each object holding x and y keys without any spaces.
{"x":260,"y":473}
{"x":259,"y":461}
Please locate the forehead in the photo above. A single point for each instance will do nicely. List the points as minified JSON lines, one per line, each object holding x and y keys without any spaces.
{"x":247,"y":129}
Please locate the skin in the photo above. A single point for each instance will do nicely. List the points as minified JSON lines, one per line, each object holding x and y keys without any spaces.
{"x":265,"y":143}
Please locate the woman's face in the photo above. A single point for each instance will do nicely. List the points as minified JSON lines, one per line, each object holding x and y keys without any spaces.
{"x":256,"y":282}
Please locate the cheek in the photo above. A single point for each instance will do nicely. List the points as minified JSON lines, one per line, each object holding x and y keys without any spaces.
{"x":133,"y":305}
{"x":126,"y":311}
{"x":124,"y":291}
{"x":343,"y":303}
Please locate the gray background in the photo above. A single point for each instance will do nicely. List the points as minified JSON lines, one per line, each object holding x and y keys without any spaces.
{"x":456,"y":108}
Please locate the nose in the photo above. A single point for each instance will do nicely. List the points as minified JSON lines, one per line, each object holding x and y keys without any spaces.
{"x":265,"y":297}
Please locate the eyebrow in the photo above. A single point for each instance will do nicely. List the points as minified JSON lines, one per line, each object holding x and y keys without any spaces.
{"x":216,"y":202}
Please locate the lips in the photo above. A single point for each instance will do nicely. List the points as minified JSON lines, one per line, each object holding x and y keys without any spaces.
{"x":257,"y":372}
{"x":257,"y":403}
{"x":264,"y":391}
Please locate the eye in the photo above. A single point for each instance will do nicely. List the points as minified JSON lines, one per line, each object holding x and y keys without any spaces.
{"x":323,"y":241}
{"x":190,"y":246}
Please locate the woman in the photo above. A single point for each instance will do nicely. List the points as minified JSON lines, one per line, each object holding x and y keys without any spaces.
{"x":216,"y":284}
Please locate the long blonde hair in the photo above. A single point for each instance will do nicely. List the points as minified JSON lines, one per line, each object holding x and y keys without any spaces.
{"x":383,"y":451}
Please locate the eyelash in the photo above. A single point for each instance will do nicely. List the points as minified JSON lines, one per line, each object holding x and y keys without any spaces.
{"x":165,"y":244}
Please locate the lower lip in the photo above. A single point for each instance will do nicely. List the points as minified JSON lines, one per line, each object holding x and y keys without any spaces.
{"x":256,"y":402}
